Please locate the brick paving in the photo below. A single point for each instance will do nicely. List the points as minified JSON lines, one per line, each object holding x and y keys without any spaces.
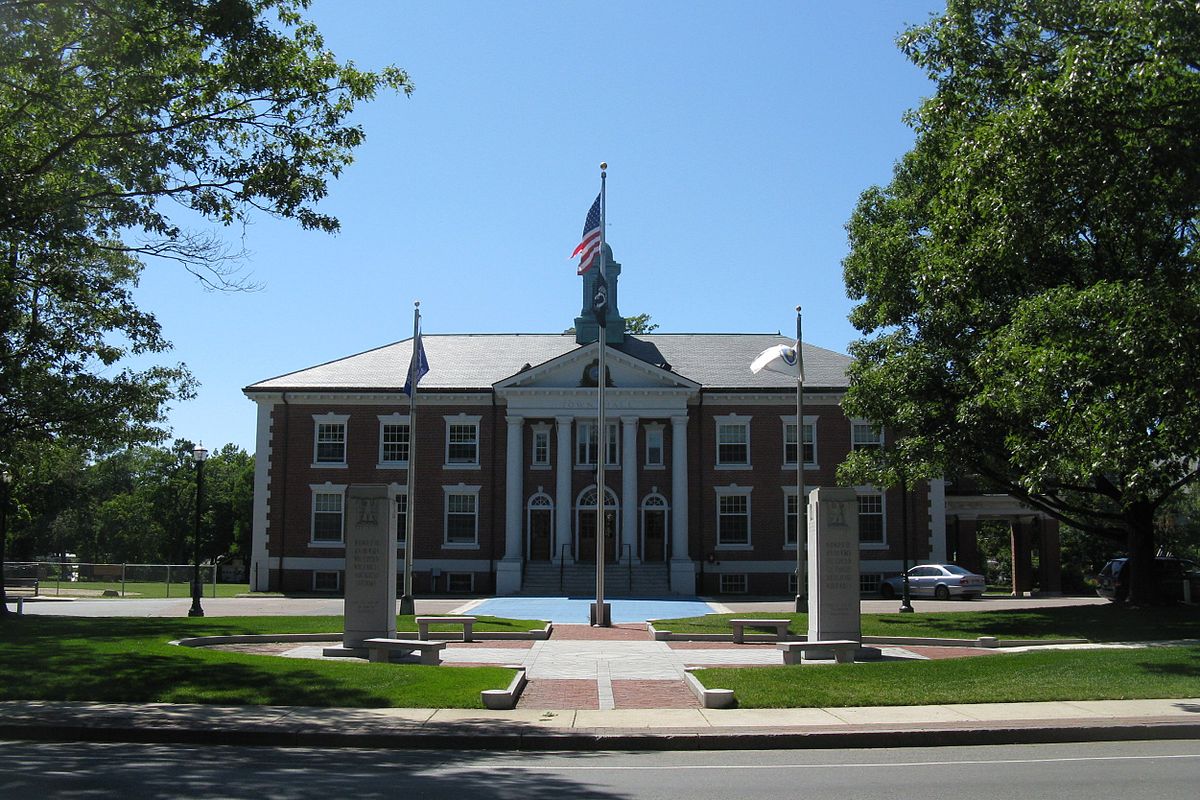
{"x":653,"y":694}
{"x":625,"y":631}
{"x":560,"y":693}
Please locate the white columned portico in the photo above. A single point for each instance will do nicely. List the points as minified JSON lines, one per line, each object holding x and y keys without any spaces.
{"x":683,"y":573}
{"x":629,"y":504}
{"x":508,"y":571}
{"x":562,"y":489}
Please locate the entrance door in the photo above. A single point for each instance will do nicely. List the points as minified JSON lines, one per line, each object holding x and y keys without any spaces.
{"x":654,"y":526}
{"x":540,"y":520}
{"x":587,"y":535}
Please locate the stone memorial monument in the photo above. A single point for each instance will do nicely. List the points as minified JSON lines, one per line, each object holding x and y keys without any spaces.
{"x":833,"y":572}
{"x":370,"y":584}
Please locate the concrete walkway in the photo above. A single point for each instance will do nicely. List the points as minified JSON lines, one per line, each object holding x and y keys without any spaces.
{"x":892,"y":726}
{"x":620,"y":668}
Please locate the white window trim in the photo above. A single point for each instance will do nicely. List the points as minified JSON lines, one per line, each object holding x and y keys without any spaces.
{"x":331,"y":419}
{"x":446,"y":492}
{"x":883,"y":512}
{"x":733,"y":419}
{"x":393,"y":419}
{"x":735,"y":490}
{"x":657,"y":429}
{"x":462,"y":419}
{"x":325,"y":488}
{"x":745,"y":579}
{"x":789,"y":492}
{"x":336,"y":573}
{"x":540,"y":429}
{"x":582,"y":425}
{"x":860,"y":421}
{"x":808,"y":420}
{"x":396,"y":490}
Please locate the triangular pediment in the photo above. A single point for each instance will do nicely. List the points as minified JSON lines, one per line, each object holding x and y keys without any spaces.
{"x":577,"y":369}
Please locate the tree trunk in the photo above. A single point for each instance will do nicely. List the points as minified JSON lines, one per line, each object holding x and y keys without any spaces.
{"x":1143,"y":590}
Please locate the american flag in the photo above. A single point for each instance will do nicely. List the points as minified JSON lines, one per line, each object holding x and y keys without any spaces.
{"x":591,"y":238}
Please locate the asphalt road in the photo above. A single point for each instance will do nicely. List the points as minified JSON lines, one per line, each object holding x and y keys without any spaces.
{"x":1167,"y":770}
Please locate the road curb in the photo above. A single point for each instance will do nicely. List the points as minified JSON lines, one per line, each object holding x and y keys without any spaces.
{"x":469,"y":737}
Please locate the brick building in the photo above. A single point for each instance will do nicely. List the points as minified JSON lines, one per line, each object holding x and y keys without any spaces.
{"x":700,"y":467}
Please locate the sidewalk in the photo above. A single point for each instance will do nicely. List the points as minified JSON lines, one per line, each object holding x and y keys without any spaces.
{"x":642,"y":729}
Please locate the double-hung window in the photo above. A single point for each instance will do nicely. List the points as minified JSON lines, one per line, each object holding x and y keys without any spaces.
{"x":733,"y":517}
{"x":733,"y":441}
{"x":541,"y":446}
{"x":329,"y":440}
{"x":462,"y":441}
{"x":393,"y":440}
{"x":462,"y":516}
{"x":864,"y":435}
{"x":654,"y":445}
{"x":587,"y":449}
{"x":328,"y":514}
{"x":402,"y":518}
{"x":791,"y":517}
{"x":870,"y":518}
{"x":789,"y":441}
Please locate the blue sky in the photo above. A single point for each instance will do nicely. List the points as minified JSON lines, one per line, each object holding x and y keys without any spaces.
{"x":738,"y":138}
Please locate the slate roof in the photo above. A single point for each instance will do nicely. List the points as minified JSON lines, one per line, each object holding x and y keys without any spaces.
{"x":475,"y":361}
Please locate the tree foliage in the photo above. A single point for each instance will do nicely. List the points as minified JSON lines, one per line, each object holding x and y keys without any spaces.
{"x":1028,"y":282}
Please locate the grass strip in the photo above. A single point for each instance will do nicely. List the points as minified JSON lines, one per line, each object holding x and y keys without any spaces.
{"x":1097,"y":623}
{"x":120,"y":659}
{"x":1152,"y":672}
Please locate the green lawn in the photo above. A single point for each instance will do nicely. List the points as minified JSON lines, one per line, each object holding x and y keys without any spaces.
{"x":117,"y":659}
{"x":1098,"y":623}
{"x":1155,"y":672}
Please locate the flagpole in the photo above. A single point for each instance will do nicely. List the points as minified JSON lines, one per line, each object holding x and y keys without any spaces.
{"x":407,"y":605}
{"x":801,"y":505}
{"x":600,"y":614}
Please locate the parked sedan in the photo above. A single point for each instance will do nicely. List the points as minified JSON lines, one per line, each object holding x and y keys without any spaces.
{"x":1175,"y":580}
{"x":939,"y":581}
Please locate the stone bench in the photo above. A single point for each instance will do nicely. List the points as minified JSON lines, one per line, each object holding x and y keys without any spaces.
{"x":380,"y":650}
{"x":423,"y":624}
{"x":780,"y":626}
{"x":843,"y":650}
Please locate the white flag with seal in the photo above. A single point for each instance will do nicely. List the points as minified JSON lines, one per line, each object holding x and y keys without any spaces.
{"x":782,"y":358}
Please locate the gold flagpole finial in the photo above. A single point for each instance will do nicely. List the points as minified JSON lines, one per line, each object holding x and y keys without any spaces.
{"x":603,"y":165}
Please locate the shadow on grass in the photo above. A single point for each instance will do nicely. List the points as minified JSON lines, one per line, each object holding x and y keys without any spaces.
{"x":129,"y":660}
{"x":1094,"y":622}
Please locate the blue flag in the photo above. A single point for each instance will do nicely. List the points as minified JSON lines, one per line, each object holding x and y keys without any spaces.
{"x":417,"y":368}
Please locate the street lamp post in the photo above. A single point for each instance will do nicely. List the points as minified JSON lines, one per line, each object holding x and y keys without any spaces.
{"x":199,"y":456}
{"x":5,"y":491}
{"x":906,"y":606}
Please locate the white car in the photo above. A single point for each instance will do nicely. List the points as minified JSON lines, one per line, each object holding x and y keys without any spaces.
{"x":939,"y":581}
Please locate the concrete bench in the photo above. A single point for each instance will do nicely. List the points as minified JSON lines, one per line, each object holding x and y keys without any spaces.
{"x":843,"y":650}
{"x":23,"y":585}
{"x":423,"y":624}
{"x":380,"y":650}
{"x":780,"y":626}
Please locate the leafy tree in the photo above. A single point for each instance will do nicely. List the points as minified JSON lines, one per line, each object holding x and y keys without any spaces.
{"x":640,"y":323}
{"x":1028,"y":283}
{"x":113,"y":115}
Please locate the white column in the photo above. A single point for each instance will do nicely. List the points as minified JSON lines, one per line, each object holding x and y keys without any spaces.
{"x":508,"y":571}
{"x":683,"y":575}
{"x":629,"y":498}
{"x":562,"y":488}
